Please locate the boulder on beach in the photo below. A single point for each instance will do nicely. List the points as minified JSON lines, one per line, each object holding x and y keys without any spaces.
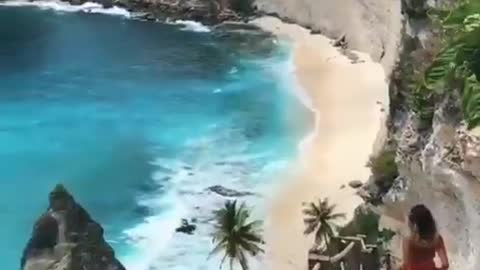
{"x":355,"y":184}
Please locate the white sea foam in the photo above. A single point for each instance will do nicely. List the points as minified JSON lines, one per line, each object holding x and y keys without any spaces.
{"x":293,"y":85}
{"x":186,"y":178}
{"x":233,"y":70}
{"x":88,"y":7}
{"x":191,"y":26}
{"x":91,"y":7}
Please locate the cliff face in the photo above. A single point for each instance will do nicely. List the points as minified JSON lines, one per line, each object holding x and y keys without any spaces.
{"x":66,"y":238}
{"x":439,"y":169}
{"x":369,"y":26}
{"x":439,"y":162}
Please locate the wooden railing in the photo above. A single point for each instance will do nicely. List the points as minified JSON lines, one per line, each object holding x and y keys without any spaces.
{"x":320,"y":259}
{"x":353,"y":240}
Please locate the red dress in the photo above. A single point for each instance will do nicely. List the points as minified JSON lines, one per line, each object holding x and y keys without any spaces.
{"x":420,"y":256}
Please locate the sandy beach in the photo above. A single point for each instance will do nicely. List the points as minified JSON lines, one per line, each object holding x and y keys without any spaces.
{"x":349,"y":101}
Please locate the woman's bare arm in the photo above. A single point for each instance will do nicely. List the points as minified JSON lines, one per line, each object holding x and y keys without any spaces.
{"x":406,"y":257}
{"x":442,"y":253}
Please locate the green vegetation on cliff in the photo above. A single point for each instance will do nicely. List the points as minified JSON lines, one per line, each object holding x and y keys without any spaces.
{"x":384,"y":168}
{"x":456,"y":65}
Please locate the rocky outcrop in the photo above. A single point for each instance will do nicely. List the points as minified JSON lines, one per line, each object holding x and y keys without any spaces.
{"x":208,"y":12}
{"x":67,"y":238}
{"x":226,"y":192}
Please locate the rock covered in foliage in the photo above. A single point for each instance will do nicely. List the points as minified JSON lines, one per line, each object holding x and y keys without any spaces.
{"x":67,"y":238}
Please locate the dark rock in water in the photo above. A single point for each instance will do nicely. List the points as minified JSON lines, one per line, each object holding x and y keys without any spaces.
{"x":165,"y":178}
{"x":76,"y":2}
{"x":355,"y":184}
{"x":186,"y":227}
{"x":76,"y":238}
{"x":241,"y":27}
{"x":220,"y":163}
{"x":147,"y":187}
{"x":207,"y":12}
{"x":142,"y":210}
{"x":106,"y":3}
{"x":149,"y":17}
{"x":226,"y":192}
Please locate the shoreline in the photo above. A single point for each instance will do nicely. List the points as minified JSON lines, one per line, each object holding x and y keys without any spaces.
{"x":313,"y":56}
{"x":334,"y":152}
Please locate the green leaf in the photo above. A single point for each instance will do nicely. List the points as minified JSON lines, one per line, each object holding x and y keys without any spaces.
{"x":235,"y":235}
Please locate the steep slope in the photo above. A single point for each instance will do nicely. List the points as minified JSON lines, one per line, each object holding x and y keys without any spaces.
{"x":438,"y":160}
{"x":368,"y":25}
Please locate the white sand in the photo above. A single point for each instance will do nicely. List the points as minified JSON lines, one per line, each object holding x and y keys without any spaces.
{"x":371,"y":26}
{"x":348,"y":100}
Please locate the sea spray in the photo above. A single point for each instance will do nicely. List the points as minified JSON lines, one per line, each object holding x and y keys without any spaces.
{"x":88,"y":7}
{"x":191,"y":26}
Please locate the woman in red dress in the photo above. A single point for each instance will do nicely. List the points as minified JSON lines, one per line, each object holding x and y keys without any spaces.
{"x":425,"y":242}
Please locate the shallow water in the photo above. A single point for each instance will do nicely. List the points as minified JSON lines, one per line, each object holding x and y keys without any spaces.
{"x":137,"y":119}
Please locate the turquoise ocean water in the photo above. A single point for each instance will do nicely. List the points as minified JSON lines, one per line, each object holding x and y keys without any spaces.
{"x":137,"y":119}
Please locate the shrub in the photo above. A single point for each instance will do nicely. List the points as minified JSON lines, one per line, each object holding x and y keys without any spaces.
{"x":365,"y":222}
{"x":457,"y":63}
{"x":384,"y":168}
{"x":243,"y":7}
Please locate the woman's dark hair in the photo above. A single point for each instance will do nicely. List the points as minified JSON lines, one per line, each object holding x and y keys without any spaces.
{"x":423,"y":220}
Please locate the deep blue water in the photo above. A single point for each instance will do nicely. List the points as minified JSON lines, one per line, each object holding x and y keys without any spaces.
{"x":136,"y":119}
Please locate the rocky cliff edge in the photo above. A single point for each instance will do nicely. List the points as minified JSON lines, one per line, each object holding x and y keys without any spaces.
{"x":65,"y":237}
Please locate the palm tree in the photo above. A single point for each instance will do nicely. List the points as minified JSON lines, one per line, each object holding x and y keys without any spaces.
{"x":235,"y":235}
{"x":320,"y":218}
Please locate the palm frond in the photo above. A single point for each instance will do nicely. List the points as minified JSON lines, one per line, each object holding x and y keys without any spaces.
{"x":319,"y":219}
{"x":338,"y":216}
{"x":218,"y":247}
{"x":235,"y":235}
{"x":442,"y":66}
{"x":310,"y":228}
{"x":242,"y":259}
{"x":471,"y":101}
